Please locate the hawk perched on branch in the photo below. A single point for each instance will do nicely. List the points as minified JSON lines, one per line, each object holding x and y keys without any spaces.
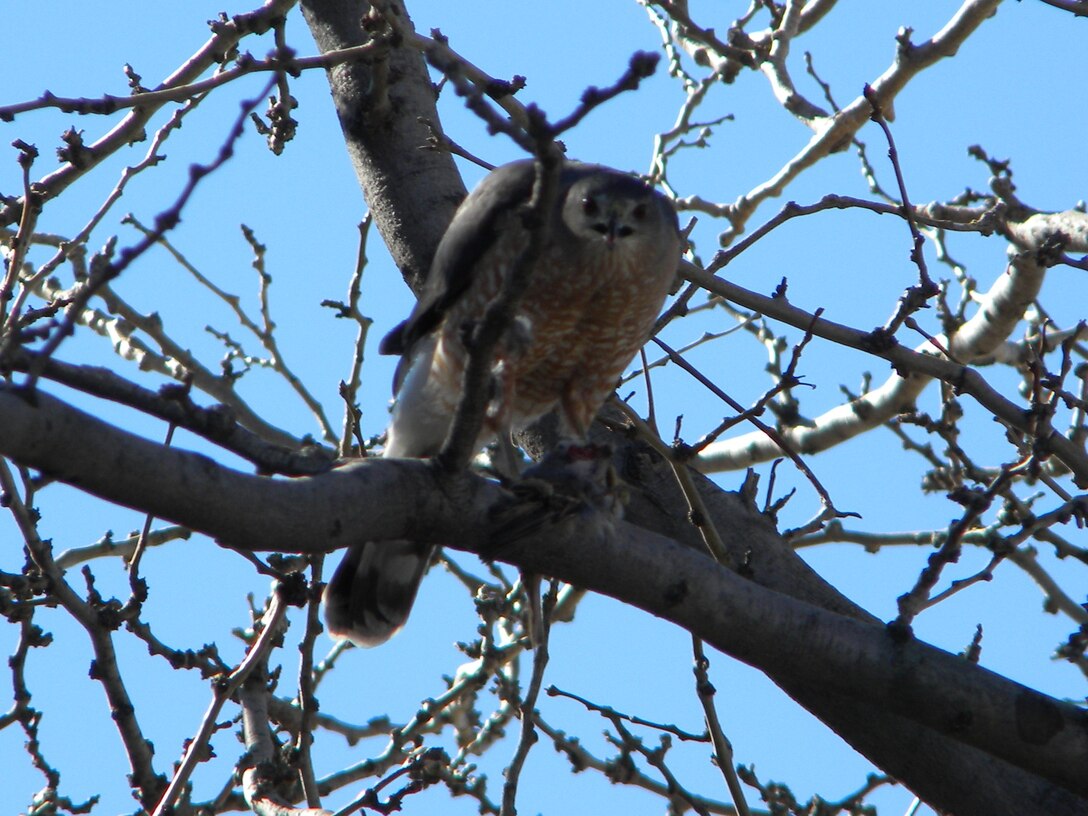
{"x":594,"y":292}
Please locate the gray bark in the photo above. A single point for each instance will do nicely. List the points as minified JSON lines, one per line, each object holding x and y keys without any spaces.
{"x":384,"y":107}
{"x":965,"y":739}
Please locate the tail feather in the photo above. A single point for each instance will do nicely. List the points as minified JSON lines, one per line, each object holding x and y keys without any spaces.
{"x":372,"y":591}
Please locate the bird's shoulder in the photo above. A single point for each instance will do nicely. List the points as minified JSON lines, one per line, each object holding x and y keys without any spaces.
{"x":483,"y":218}
{"x":475,"y":228}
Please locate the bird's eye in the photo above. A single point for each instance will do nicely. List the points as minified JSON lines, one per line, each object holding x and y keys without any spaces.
{"x":589,"y":206}
{"x":639,"y":212}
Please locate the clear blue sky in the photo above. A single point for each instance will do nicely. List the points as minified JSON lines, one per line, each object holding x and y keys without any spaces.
{"x":1016,"y":88}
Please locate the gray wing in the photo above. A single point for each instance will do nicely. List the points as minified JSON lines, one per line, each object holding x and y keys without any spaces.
{"x":472,"y":232}
{"x":475,"y":228}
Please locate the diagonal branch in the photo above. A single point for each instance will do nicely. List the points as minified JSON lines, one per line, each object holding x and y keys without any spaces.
{"x":837,"y":130}
{"x":838,"y":657}
{"x":226,"y":34}
{"x":914,"y":370}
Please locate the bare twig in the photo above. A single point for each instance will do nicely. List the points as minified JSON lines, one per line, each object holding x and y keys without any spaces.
{"x":349,"y":309}
{"x":916,"y":296}
{"x":723,"y":749}
{"x":164,"y":222}
{"x":226,"y":34}
{"x":527,"y":707}
{"x":884,"y":402}
{"x":271,"y":624}
{"x":697,"y":511}
{"x":609,"y":712}
{"x":580,"y":758}
{"x":770,"y":432}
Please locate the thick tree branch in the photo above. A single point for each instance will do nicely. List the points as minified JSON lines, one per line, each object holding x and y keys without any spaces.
{"x":915,"y":711}
{"x":935,"y":768}
{"x":387,"y":112}
{"x":382,"y":499}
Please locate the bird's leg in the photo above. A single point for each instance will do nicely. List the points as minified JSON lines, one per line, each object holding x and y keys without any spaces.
{"x":506,"y":459}
{"x":574,"y":478}
{"x":574,"y":415}
{"x":534,"y":609}
{"x":499,"y":421}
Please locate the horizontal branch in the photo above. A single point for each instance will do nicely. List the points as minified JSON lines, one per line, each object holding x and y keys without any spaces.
{"x":913,"y":370}
{"x":382,"y":499}
{"x":243,"y":66}
{"x":219,"y":423}
{"x":321,"y":513}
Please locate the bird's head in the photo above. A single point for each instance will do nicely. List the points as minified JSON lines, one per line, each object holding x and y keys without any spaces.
{"x":617,"y":211}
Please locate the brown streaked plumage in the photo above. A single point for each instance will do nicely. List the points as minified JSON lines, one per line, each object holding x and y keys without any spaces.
{"x":591,"y":302}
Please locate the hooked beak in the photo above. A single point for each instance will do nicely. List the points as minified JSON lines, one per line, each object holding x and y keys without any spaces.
{"x":612,"y":231}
